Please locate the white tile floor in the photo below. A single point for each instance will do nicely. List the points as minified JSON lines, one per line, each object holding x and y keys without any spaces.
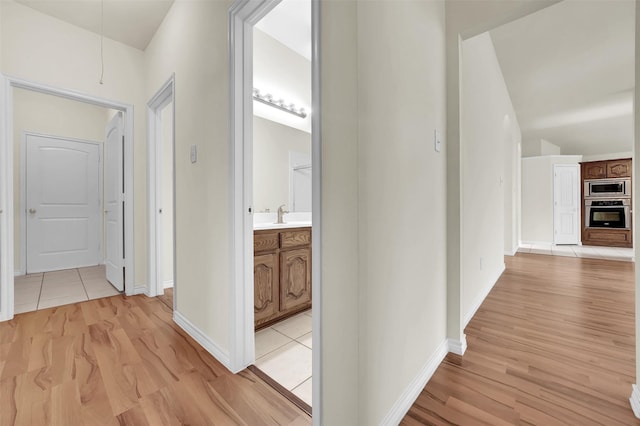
{"x":591,"y":252}
{"x":283,"y":352}
{"x":49,"y":289}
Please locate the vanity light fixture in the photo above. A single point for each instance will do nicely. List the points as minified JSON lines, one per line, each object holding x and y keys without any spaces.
{"x":268,"y":99}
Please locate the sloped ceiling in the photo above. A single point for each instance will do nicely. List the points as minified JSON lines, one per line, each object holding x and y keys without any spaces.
{"x":569,"y":69}
{"x":132,"y":22}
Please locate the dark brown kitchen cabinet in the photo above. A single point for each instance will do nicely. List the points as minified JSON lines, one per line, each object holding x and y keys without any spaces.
{"x":595,"y":170}
{"x":607,"y":169}
{"x":619,"y":168}
{"x":596,"y":236}
{"x":282,"y":274}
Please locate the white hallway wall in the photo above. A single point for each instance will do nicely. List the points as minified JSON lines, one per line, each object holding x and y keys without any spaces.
{"x":488,"y":137}
{"x":192,"y":43}
{"x":401,"y":197}
{"x":43,"y":49}
{"x":50,"y":115}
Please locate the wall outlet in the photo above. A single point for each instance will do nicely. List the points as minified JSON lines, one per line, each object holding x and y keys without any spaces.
{"x":437,"y":140}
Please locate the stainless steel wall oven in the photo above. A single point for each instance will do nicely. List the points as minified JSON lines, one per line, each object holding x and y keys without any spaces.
{"x":609,"y":213}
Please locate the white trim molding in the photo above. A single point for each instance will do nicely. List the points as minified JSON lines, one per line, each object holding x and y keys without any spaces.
{"x":167,"y":284}
{"x":458,"y":347}
{"x":6,"y":181}
{"x":412,"y":391}
{"x":6,"y":202}
{"x":635,"y":400}
{"x":203,"y":340}
{"x":155,"y":247}
{"x":478,"y":302}
{"x":139,"y":289}
{"x":243,"y":15}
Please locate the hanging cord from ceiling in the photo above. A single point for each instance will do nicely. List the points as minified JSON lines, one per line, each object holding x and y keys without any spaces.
{"x":102,"y":41}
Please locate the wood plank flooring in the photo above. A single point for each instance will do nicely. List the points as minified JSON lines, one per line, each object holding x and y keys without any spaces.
{"x":553,"y":344}
{"x":122,"y":361}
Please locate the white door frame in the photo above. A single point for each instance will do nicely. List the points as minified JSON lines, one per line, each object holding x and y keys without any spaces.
{"x":23,"y":193}
{"x":6,"y":181}
{"x":243,"y":15}
{"x":161,"y":99}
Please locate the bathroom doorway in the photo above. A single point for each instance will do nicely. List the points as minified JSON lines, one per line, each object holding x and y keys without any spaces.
{"x":282,"y":200}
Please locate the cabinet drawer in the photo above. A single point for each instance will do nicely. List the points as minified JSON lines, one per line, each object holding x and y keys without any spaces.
{"x":295,"y":238}
{"x":265,"y":242}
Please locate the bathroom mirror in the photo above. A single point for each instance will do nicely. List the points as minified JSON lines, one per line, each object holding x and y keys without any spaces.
{"x":281,"y":167}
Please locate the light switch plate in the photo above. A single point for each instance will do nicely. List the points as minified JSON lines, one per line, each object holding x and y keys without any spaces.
{"x":194,"y":153}
{"x":437,"y":140}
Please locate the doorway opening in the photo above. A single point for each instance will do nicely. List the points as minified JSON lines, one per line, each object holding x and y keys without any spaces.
{"x":161,"y":213}
{"x":276,"y":251}
{"x":282,"y":200}
{"x":67,"y":183}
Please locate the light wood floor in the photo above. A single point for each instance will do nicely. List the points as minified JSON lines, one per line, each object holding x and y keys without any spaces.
{"x":122,"y":361}
{"x":552,"y":344}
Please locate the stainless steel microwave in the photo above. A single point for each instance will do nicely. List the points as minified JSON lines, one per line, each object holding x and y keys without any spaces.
{"x":607,"y":188}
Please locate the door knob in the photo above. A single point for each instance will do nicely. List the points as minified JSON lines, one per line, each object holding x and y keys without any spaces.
{"x":1,"y":211}
{"x":32,"y":211}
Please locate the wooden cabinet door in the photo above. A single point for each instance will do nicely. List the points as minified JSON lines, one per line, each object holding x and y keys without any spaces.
{"x":295,"y":278}
{"x":265,"y":286}
{"x":619,"y":168}
{"x":595,"y":170}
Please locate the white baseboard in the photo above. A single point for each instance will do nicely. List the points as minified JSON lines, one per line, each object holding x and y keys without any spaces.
{"x":139,"y":289}
{"x":167,"y":284}
{"x":535,"y":243}
{"x":457,"y":347}
{"x":204,"y":340}
{"x":412,"y":391}
{"x":635,"y":400}
{"x":482,"y":296}
{"x":19,"y":273}
{"x":513,"y":253}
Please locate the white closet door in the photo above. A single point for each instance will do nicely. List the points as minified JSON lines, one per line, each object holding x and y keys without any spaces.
{"x":566,"y":203}
{"x":63,"y":202}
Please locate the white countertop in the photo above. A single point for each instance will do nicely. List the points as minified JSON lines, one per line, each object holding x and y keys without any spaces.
{"x":262,"y":226}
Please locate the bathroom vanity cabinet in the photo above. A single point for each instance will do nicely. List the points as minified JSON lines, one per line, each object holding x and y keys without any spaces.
{"x":282,"y":273}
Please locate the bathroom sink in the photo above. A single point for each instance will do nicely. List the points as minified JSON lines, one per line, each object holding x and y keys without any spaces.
{"x":261,"y":226}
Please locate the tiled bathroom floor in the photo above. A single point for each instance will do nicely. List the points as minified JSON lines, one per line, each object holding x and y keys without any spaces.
{"x":283,"y":352}
{"x":45,"y":290}
{"x":591,"y":252}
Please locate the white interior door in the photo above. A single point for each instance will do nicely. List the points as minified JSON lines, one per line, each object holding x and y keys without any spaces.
{"x":566,"y":203}
{"x":114,"y":202}
{"x":63,"y":203}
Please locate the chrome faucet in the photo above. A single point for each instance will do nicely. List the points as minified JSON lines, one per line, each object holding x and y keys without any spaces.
{"x":281,"y":213}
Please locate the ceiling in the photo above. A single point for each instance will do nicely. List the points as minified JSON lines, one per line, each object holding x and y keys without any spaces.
{"x":130,"y":22}
{"x":290,"y":23}
{"x":569,"y":70}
